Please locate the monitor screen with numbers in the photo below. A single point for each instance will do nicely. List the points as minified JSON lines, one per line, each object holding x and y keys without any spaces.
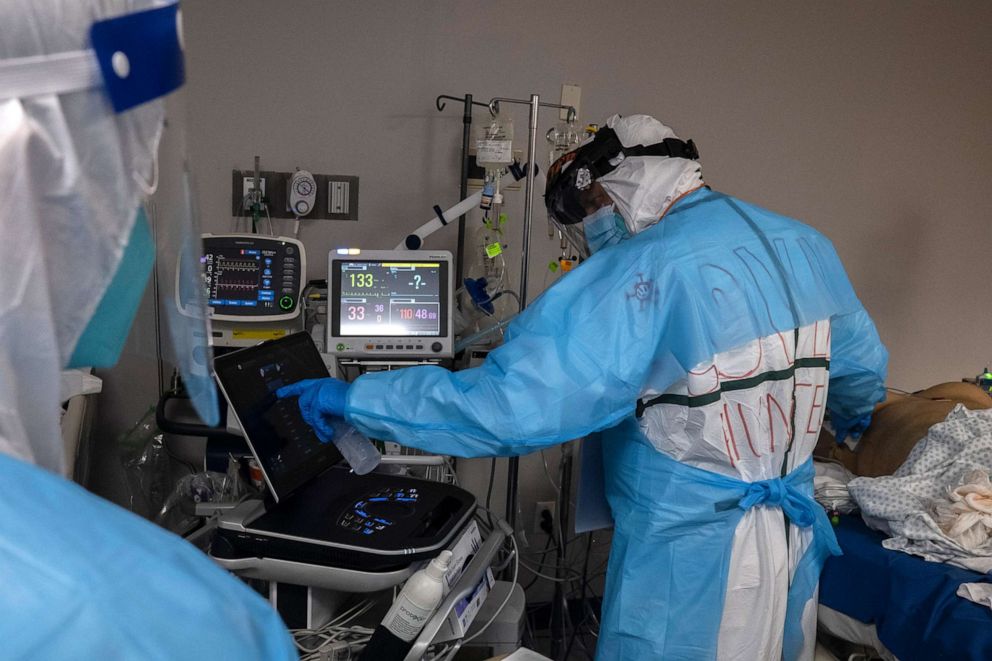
{"x":390,"y":303}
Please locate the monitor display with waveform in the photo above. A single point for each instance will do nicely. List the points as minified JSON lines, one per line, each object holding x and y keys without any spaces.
{"x":252,"y":276}
{"x":235,"y":279}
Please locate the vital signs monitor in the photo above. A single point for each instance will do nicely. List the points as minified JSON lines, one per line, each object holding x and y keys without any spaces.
{"x":390,"y":303}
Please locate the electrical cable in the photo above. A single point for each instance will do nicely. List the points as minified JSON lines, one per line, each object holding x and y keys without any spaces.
{"x":489,"y":491}
{"x":446,"y":653}
{"x":582,"y":597}
{"x":562,"y":555}
{"x":508,"y":292}
{"x":336,"y":630}
{"x":547,"y":472}
{"x":341,"y":621}
{"x":481,"y":520}
{"x":544,"y":553}
{"x":553,"y":579}
{"x":544,"y":566}
{"x":500,"y":565}
{"x":567,"y":622}
{"x":451,"y":468}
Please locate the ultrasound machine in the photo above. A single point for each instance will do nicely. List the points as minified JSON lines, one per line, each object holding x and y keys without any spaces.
{"x":317,"y":512}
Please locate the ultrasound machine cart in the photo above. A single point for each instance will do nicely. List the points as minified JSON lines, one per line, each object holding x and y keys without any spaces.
{"x":322,"y":526}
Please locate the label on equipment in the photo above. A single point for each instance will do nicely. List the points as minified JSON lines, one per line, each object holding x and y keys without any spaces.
{"x":408,"y":619}
{"x":494,"y":250}
{"x":258,"y":334}
{"x":466,"y":609}
{"x":464,"y":612}
{"x":494,"y":151}
{"x":255,"y":472}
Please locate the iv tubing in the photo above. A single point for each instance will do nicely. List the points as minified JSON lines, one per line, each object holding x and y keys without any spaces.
{"x":471,"y":339}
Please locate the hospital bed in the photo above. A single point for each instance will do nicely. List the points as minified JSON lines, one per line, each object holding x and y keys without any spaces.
{"x":873,"y":595}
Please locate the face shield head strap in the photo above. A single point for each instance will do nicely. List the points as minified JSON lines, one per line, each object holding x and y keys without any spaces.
{"x":576,"y":171}
{"x":609,"y":153}
{"x":135,"y":58}
{"x":140,"y":55}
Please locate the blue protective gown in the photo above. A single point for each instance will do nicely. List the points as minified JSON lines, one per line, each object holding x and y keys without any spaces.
{"x":635,"y":319}
{"x":84,"y":579}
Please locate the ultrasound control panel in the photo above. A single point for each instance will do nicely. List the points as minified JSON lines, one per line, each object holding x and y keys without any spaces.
{"x":379,"y":510}
{"x":247,"y":277}
{"x":373,"y":522}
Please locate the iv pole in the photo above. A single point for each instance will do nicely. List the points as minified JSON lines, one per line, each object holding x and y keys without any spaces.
{"x":513,"y":467}
{"x":535,"y":104}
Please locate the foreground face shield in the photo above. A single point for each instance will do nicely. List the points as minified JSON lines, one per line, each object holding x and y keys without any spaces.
{"x":181,"y":299}
{"x":157,"y":71}
{"x":99,"y":110}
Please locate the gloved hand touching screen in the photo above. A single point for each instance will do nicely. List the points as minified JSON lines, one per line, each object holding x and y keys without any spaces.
{"x":319,"y":400}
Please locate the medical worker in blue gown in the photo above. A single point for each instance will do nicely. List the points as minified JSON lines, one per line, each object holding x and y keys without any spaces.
{"x":81,"y":114}
{"x":706,"y":338}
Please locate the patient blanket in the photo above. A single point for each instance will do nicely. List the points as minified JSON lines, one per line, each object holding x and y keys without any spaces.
{"x":938,"y":504}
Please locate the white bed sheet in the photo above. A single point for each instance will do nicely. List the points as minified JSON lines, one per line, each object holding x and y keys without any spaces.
{"x":853,"y":631}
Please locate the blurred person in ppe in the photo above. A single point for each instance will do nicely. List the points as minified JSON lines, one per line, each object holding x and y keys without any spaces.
{"x":705,"y":338}
{"x":81,"y":114}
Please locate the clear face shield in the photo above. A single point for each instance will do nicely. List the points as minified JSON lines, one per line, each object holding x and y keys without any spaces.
{"x":150,"y":43}
{"x":184,"y":337}
{"x":182,"y":303}
{"x":578,"y":205}
{"x":104,"y":111}
{"x":595,"y":212}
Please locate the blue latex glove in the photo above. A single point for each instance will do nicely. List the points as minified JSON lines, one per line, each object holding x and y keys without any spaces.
{"x":320,"y":399}
{"x":854,"y":427}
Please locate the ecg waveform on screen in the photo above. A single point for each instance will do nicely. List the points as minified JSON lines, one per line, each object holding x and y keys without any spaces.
{"x":223,"y":284}
{"x":235,"y":276}
{"x":237,"y":265}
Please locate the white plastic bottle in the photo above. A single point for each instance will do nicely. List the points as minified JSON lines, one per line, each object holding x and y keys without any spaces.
{"x":360,"y":453}
{"x":415,"y":604}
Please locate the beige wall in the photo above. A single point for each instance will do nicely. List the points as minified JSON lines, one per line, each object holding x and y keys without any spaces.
{"x":870,"y":121}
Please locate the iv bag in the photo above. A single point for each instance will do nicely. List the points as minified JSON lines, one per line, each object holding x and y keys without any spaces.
{"x":494,"y":143}
{"x":563,"y":138}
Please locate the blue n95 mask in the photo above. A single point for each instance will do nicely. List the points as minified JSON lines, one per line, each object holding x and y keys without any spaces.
{"x":604,"y":228}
